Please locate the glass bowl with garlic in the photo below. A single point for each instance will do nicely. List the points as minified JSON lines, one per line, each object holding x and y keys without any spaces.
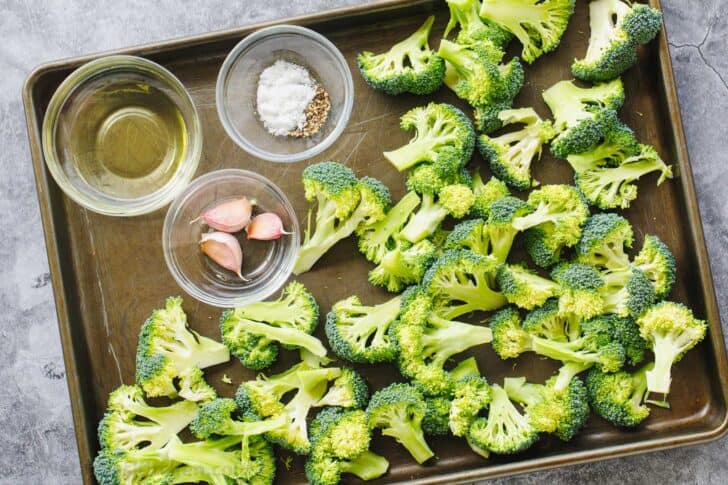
{"x":231,"y":238}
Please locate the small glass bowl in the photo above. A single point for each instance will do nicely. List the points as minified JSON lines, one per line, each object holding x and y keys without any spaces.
{"x":237,"y":85}
{"x":87,"y":105}
{"x":266,"y":264}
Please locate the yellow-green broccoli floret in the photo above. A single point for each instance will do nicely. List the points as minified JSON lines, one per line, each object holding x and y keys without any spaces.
{"x":465,"y":14}
{"x":579,"y":290}
{"x":658,"y":263}
{"x":604,"y":241}
{"x":619,"y":397}
{"x":523,"y":287}
{"x":485,"y":194}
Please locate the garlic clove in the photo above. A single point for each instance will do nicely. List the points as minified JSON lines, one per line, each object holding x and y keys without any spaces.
{"x":265,"y":227}
{"x":230,"y":216}
{"x":224,"y":249}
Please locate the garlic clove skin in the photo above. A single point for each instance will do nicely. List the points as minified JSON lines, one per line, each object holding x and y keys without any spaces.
{"x":265,"y":227}
{"x":224,"y":249}
{"x":230,"y":216}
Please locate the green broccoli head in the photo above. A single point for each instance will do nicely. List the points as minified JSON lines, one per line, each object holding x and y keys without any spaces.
{"x":672,"y":330}
{"x":471,"y":397}
{"x":430,"y":178}
{"x":486,"y":194}
{"x":408,"y":66}
{"x":625,"y":331}
{"x":509,"y":338}
{"x":398,"y":410}
{"x":619,"y":142}
{"x":499,"y":227}
{"x":548,"y":322}
{"x":658,"y":263}
{"x":360,"y":333}
{"x":403,"y":265}
{"x":618,"y":397}
{"x":627,"y":291}
{"x":538,"y":25}
{"x":604,"y":241}
{"x":435,"y":421}
{"x":168,"y":350}
{"x":579,"y":289}
{"x":470,"y":235}
{"x":614,"y":187}
{"x":617,"y":28}
{"x":473,"y":29}
{"x":436,"y":126}
{"x":148,"y":465}
{"x":349,"y":390}
{"x":511,"y":155}
{"x":523,"y":287}
{"x":505,"y":431}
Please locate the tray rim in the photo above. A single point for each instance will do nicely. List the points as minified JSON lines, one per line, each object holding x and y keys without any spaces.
{"x":685,"y":176}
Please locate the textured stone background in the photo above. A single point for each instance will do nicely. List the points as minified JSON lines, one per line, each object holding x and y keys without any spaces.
{"x":36,"y":438}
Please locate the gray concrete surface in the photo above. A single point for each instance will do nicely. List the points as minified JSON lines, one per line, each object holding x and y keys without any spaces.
{"x":36,"y":432}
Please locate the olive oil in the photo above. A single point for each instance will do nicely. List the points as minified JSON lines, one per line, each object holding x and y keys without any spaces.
{"x":125,"y":139}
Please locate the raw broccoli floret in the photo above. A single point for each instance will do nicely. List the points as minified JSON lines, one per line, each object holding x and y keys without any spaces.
{"x":343,"y":204}
{"x":263,"y":397}
{"x":168,"y":349}
{"x":614,"y":187}
{"x":509,"y":338}
{"x":470,"y":235}
{"x":463,"y":282}
{"x":556,"y":221}
{"x":435,"y":422}
{"x":619,"y":142}
{"x":455,"y":200}
{"x":146,"y":465}
{"x":473,"y":29}
{"x":378,"y":238}
{"x":408,"y":66}
{"x":437,"y":126}
{"x":672,"y":330}
{"x":548,"y":322}
{"x":486,"y":194}
{"x":193,"y":387}
{"x":538,"y":24}
{"x":426,"y":341}
{"x":131,"y":423}
{"x":253,"y":332}
{"x":510,"y":155}
{"x":604,"y":241}
{"x":398,"y":410}
{"x":349,"y":390}
{"x":562,"y":412}
{"x":617,"y":28}
{"x":627,"y":291}
{"x":216,"y":418}
{"x":359,"y":333}
{"x":471,"y":397}
{"x":340,"y":444}
{"x":505,"y":431}
{"x":658,"y":263}
{"x":579,"y":290}
{"x":625,"y":331}
{"x":403,"y":265}
{"x":618,"y":397}
{"x":524,"y":288}
{"x":499,"y":227}
{"x":583,"y":116}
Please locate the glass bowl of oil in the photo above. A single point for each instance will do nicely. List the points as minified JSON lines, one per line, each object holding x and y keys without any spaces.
{"x":266,"y":264}
{"x":121,"y":136}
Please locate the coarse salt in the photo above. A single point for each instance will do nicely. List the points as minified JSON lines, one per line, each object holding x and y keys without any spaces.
{"x":284,"y":91}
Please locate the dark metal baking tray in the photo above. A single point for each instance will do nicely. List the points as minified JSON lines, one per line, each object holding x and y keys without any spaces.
{"x":109,"y":273}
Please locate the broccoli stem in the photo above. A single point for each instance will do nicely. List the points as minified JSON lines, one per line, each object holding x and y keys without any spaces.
{"x":466,"y":368}
{"x":541,"y":215}
{"x":395,"y":219}
{"x":252,"y":428}
{"x":366,"y":466}
{"x":197,"y":350}
{"x":416,"y":151}
{"x":286,"y":336}
{"x":563,"y":351}
{"x":521,"y":391}
{"x":567,"y":372}
{"x":409,"y":436}
{"x":425,"y":221}
{"x":666,"y":350}
{"x":266,"y":311}
{"x":474,"y":297}
{"x":450,"y":338}
{"x":207,"y":454}
{"x":176,"y":416}
{"x":501,"y":241}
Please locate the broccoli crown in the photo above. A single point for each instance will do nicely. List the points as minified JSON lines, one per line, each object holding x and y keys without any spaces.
{"x":579,"y":289}
{"x":252,"y":332}
{"x":501,"y":232}
{"x":509,"y":338}
{"x":117,"y":467}
{"x":349,"y":390}
{"x":658,"y":263}
{"x":339,"y":433}
{"x":672,"y":330}
{"x":617,"y":28}
{"x":469,"y":235}
{"x":548,"y":322}
{"x":457,"y":199}
{"x":435,"y":421}
{"x":538,"y":24}
{"x":619,"y":142}
{"x":436,"y":126}
{"x":471,"y":397}
{"x":542,"y":244}
{"x":474,"y":73}
{"x":625,"y":331}
{"x":486,"y":115}
{"x":486,"y":194}
{"x":430,"y":178}
{"x":408,"y":66}
{"x":618,"y":397}
{"x":168,"y":349}
{"x":614,"y":187}
{"x":403,"y":265}
{"x":510,"y":155}
{"x":426,"y":341}
{"x":562,"y":412}
{"x":505,"y":431}
{"x":193,"y":387}
{"x":331,"y":184}
{"x":523,"y":287}
{"x":215,"y":418}
{"x":604,"y":240}
{"x":376,"y":239}
{"x":398,"y":410}
{"x":627,"y":292}
{"x":359,"y":333}
{"x":473,"y":29}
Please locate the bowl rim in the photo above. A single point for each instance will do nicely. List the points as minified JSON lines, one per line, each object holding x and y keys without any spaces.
{"x":131,"y":206}
{"x":282,"y":273}
{"x":234,"y":56}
